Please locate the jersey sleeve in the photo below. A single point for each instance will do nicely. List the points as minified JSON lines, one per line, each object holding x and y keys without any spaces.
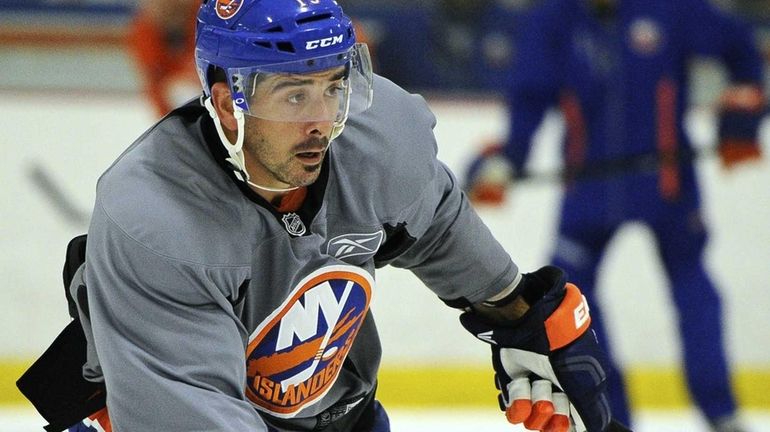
{"x":714,"y":33}
{"x":168,"y":342}
{"x":443,"y":241}
{"x":454,"y":254}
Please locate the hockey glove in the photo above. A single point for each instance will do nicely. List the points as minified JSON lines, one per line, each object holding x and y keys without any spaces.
{"x":539,"y":405}
{"x":550,"y":344}
{"x":741,"y":111}
{"x":488,"y":176}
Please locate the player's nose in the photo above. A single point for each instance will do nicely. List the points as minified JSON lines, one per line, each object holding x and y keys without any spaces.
{"x":321,"y":127}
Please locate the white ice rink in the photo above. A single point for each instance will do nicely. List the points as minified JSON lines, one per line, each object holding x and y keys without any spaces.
{"x":22,"y":420}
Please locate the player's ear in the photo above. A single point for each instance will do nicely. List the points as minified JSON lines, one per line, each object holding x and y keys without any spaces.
{"x":223,"y":104}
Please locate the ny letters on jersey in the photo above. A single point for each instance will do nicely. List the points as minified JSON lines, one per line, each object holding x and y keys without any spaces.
{"x":295,"y":355}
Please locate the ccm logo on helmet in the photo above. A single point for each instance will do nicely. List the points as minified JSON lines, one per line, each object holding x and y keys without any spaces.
{"x":325,"y":42}
{"x":295,"y":355}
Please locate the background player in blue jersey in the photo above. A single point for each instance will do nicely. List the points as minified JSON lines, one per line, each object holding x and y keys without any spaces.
{"x":618,"y":70}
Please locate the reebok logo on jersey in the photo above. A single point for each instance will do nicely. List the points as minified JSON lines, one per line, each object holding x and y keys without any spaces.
{"x":295,"y":355}
{"x":349,"y":245}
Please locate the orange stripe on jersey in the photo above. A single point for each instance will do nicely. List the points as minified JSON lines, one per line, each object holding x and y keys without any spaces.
{"x":577,"y":135}
{"x":99,"y":420}
{"x":292,"y":201}
{"x":668,"y":181}
{"x":569,"y":320}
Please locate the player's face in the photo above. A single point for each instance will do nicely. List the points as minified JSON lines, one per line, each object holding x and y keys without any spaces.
{"x":297,"y":98}
{"x":290,"y":153}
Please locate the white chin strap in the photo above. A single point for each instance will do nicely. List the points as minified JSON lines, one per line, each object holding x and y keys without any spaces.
{"x":235,"y":151}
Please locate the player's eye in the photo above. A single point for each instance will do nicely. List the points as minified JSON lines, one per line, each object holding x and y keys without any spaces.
{"x":335,"y":89}
{"x":297,"y":98}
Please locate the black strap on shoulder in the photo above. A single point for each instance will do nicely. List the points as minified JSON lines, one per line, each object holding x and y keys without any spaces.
{"x":54,"y":383}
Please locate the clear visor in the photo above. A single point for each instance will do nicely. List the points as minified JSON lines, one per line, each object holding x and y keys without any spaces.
{"x":324,"y":88}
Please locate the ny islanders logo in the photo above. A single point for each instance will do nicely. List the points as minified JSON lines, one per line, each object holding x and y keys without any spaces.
{"x":295,"y":355}
{"x":227,"y":8}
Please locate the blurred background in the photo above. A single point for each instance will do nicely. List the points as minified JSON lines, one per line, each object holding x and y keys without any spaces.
{"x":74,"y":93}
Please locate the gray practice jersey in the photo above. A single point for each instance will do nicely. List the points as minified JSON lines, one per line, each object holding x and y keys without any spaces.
{"x":208,"y":310}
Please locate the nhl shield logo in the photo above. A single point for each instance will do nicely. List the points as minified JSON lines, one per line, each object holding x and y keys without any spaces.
{"x":293,"y":224}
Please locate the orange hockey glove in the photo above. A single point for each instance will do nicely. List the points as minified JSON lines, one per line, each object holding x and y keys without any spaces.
{"x":741,"y":111}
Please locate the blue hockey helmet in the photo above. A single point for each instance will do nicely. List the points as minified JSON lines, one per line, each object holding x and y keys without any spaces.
{"x":261,"y":43}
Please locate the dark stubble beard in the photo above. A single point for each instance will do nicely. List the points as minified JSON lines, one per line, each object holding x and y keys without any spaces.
{"x":282,"y":172}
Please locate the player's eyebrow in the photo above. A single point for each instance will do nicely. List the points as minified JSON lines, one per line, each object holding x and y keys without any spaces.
{"x":292,"y":81}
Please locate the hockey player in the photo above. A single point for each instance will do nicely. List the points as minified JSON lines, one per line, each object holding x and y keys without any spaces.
{"x":161,"y":41}
{"x":230,"y":261}
{"x":618,"y":72}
